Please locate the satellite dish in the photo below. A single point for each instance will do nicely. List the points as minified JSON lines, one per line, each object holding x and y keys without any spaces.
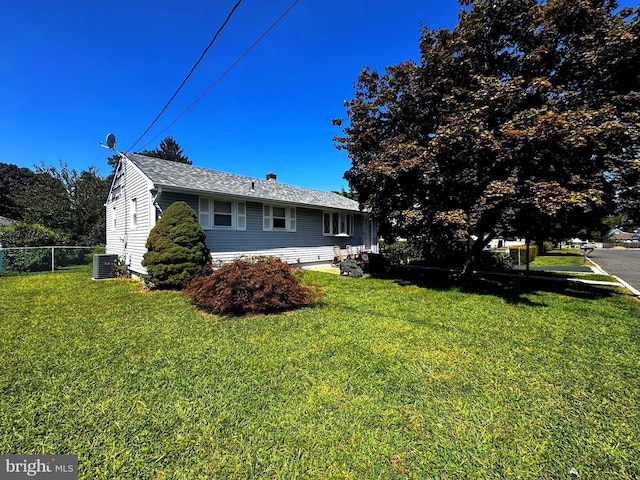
{"x":111,"y":140}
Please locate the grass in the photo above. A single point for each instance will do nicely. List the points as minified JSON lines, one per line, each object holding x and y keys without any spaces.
{"x":568,"y":258}
{"x":386,"y":378}
{"x":555,"y":258}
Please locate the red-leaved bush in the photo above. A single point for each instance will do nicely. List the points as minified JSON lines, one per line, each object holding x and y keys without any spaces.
{"x":250,"y":286}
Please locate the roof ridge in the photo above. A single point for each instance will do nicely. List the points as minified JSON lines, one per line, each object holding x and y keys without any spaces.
{"x":186,"y":165}
{"x":192,"y":178}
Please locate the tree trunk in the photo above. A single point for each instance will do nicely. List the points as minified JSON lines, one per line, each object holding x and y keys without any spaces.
{"x":475,"y":252}
{"x":527,"y":243}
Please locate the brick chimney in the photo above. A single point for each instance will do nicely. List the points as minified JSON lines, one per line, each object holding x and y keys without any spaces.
{"x":272,"y":177}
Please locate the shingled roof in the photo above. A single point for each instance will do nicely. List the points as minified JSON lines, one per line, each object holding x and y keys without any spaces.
{"x":191,"y":179}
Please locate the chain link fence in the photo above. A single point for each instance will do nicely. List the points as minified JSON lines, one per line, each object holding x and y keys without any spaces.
{"x":42,"y":259}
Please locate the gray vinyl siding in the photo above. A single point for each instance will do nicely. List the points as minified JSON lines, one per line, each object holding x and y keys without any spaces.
{"x":308,"y":233}
{"x":167,"y":198}
{"x":306,"y":245}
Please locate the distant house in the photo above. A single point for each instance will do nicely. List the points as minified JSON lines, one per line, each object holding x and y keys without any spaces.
{"x":576,"y":242}
{"x":623,"y":237}
{"x":242,"y":216}
{"x":614,"y":231}
{"x":5,"y":222}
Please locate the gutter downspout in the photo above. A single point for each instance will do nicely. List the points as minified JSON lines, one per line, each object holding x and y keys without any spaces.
{"x":155,"y":203}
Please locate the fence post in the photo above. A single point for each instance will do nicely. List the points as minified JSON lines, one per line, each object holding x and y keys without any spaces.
{"x":53,"y":259}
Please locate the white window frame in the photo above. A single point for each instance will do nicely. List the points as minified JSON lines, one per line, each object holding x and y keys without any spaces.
{"x":207,"y":213}
{"x":134,"y":212}
{"x":341,"y":224}
{"x":290,"y":218}
{"x":230,"y":214}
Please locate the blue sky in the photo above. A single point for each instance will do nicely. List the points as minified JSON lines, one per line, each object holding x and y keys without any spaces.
{"x":73,"y":71}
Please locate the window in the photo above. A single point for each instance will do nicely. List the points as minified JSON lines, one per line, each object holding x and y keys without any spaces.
{"x":215,"y":213}
{"x":337,"y":224}
{"x":222,"y":214}
{"x":114,"y":224}
{"x":134,"y":212}
{"x":279,"y":218}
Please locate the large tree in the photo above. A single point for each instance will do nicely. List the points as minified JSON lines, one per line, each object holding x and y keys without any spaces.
{"x":523,"y":120}
{"x":70,"y":203}
{"x":14,"y":181}
{"x":169,"y":150}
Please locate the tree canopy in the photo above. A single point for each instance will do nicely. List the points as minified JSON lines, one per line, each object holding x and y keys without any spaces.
{"x":169,"y":150}
{"x":522,"y":120}
{"x":13,"y":181}
{"x":61,"y":199}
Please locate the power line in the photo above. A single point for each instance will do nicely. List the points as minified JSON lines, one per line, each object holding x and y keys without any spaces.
{"x":226,"y":72}
{"x":224,"y":24}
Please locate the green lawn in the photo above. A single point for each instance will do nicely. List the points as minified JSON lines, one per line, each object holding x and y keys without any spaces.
{"x":568,"y":257}
{"x":384,"y":379}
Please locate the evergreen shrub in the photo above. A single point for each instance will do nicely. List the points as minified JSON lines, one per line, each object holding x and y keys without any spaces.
{"x":176,"y":251}
{"x":251,"y":286}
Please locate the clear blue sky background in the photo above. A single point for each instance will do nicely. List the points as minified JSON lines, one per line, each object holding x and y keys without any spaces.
{"x":73,"y":71}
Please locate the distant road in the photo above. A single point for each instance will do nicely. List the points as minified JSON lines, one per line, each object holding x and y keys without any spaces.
{"x":622,"y":263}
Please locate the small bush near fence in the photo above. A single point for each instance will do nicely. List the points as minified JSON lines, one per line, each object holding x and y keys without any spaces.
{"x":495,"y":261}
{"x":250,"y":286}
{"x":519,"y":254}
{"x":40,"y":259}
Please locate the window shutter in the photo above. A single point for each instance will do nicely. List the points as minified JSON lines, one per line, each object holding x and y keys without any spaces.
{"x":292,"y":219}
{"x":266,"y":217}
{"x":205,"y":214}
{"x":241,"y":223}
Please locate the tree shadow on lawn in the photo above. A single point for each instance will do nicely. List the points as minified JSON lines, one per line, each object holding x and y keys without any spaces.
{"x":514,"y":290}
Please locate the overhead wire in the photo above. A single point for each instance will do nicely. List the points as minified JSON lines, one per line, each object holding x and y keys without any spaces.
{"x":225,"y":73}
{"x":215,"y":37}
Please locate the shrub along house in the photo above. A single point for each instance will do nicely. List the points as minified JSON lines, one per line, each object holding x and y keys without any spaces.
{"x":242,"y":216}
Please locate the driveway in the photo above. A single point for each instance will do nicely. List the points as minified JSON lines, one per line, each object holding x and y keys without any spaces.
{"x":624,"y":264}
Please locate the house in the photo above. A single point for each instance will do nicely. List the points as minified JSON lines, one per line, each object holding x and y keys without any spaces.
{"x":623,"y":237}
{"x":242,"y":216}
{"x":614,"y":231}
{"x":5,"y":222}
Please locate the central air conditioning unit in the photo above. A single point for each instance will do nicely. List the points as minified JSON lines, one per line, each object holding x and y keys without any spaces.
{"x":104,"y":266}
